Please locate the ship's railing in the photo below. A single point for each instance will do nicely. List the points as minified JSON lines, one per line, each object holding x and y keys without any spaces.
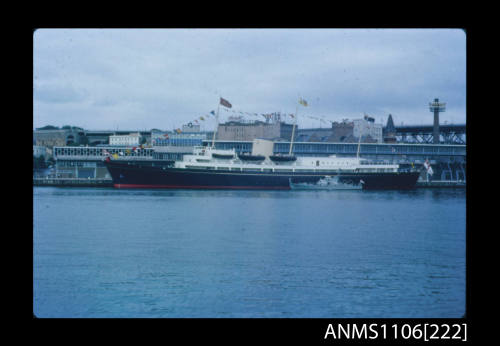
{"x":97,"y":153}
{"x":132,"y":158}
{"x":375,"y":162}
{"x":102,"y":157}
{"x":299,"y":170}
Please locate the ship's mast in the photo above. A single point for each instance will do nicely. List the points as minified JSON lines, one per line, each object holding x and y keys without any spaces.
{"x":359,"y":141}
{"x":216,"y":125}
{"x":293,"y":130}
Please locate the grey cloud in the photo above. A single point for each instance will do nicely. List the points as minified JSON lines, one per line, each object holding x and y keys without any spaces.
{"x":154,"y":78}
{"x":54,"y":93}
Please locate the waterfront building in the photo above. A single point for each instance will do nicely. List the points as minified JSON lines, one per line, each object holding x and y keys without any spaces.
{"x":172,"y":145}
{"x":58,"y":137}
{"x":248,"y":131}
{"x":161,"y":139}
{"x":190,"y":127}
{"x":344,"y":132}
{"x":40,"y":151}
{"x":132,"y":139}
{"x":367,"y":128}
{"x":318,"y":134}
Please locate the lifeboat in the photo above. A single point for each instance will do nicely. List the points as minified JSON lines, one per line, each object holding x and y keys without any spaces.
{"x":247,"y":157}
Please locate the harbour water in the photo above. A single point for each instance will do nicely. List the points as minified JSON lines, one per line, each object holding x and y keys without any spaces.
{"x":103,"y":252}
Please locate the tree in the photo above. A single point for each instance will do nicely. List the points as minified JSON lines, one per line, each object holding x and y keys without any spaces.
{"x":69,"y":127}
{"x":39,"y":162}
{"x":48,"y":127}
{"x":51,"y":161}
{"x":84,"y":140}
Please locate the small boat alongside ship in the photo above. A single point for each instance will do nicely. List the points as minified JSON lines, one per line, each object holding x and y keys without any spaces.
{"x":209,"y":168}
{"x":327,"y":183}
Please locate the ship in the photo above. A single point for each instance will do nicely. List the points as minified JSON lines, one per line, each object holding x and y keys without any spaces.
{"x":210,"y":168}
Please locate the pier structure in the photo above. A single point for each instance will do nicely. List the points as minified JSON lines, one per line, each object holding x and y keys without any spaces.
{"x":73,"y":182}
{"x":88,"y":162}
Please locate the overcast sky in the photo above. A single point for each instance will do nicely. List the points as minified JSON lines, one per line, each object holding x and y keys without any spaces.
{"x":131,"y":79}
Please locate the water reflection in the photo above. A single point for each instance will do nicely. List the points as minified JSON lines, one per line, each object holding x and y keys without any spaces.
{"x":434,"y":193}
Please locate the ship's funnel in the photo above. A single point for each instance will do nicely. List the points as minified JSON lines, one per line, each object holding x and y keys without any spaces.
{"x":262,"y":147}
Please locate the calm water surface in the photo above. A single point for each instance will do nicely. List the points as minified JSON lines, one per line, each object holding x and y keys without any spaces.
{"x":102,"y":252}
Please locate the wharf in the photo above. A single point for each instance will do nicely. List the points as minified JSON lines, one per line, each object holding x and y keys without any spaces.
{"x":72,"y":182}
{"x":440,"y":183}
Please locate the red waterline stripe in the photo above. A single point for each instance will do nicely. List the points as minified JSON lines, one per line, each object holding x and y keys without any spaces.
{"x":246,"y":187}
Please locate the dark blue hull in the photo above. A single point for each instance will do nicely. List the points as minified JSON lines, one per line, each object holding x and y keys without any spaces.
{"x":133,"y":175}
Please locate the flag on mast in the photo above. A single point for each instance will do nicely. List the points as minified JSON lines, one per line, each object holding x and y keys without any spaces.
{"x":225,"y":103}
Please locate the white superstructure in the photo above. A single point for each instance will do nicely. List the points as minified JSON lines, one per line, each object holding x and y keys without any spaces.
{"x":216,"y":159}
